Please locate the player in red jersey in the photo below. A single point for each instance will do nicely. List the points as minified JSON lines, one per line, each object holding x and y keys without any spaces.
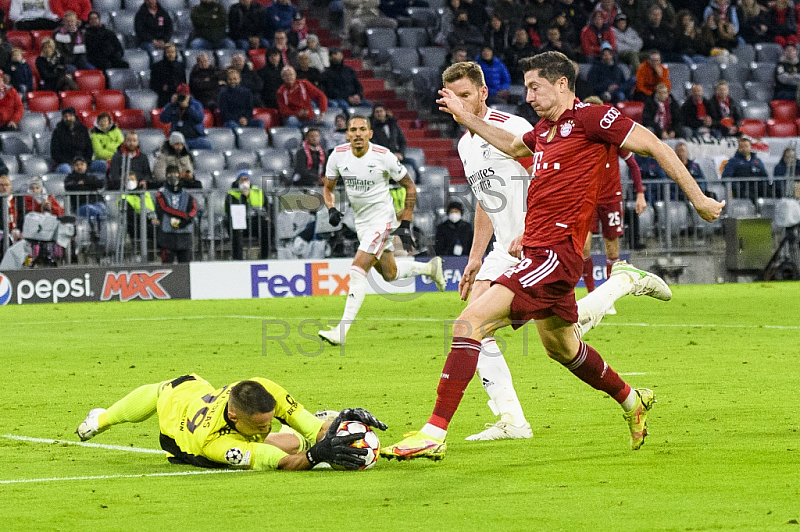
{"x":570,"y":147}
{"x":609,"y":212}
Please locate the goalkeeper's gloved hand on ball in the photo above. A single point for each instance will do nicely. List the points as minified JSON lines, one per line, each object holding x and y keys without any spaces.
{"x":359,"y":414}
{"x":406,"y":236}
{"x":334,"y":216}
{"x":336,"y":450}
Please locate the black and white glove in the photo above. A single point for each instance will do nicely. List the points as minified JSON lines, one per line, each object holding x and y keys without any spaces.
{"x":406,"y":236}
{"x":359,"y":414}
{"x":336,"y":450}
{"x":334,"y":216}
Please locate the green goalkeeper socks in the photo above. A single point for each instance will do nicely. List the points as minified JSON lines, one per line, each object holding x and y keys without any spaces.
{"x":135,"y":407}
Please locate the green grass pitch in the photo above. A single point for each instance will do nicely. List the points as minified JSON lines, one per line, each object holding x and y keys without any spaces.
{"x":723,"y":451}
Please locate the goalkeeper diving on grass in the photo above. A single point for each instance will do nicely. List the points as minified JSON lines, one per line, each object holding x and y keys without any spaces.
{"x":251,"y":424}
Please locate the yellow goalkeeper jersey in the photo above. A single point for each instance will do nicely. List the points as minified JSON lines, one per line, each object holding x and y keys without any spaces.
{"x":195,"y":428}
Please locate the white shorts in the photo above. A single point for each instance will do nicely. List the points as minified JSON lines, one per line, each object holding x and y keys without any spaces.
{"x":374,"y":238}
{"x":495,"y":263}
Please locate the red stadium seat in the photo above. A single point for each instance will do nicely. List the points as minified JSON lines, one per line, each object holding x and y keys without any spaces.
{"x":90,"y":80}
{"x":156,"y":122}
{"x":208,"y":118}
{"x":258,"y":57}
{"x":81,"y":101}
{"x":130,"y":118}
{"x":88,"y":117}
{"x":271,"y":117}
{"x":109,"y":100}
{"x":42,"y":102}
{"x":20,"y":39}
{"x":38,"y":36}
{"x":632,"y":110}
{"x":753,"y":128}
{"x":781,"y":128}
{"x":785,"y":110}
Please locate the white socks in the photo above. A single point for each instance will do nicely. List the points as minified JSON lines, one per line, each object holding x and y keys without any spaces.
{"x":355,"y":297}
{"x":593,"y":306}
{"x":412,"y":268}
{"x":434,"y":432}
{"x":496,"y":379}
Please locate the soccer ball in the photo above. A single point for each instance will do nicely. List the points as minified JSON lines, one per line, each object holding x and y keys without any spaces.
{"x":369,"y":442}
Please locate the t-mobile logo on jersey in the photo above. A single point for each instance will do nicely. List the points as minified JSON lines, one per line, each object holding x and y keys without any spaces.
{"x":538,"y":164}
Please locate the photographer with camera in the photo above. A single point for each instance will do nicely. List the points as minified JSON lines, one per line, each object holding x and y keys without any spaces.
{"x":185,"y":116}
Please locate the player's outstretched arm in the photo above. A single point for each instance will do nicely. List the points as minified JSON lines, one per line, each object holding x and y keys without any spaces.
{"x":411,"y":198}
{"x":643,"y":142}
{"x":482,"y":231}
{"x":501,"y":139}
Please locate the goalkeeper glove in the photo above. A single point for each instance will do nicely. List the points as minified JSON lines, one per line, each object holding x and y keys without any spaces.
{"x":334,"y":216}
{"x":404,"y":232}
{"x":336,"y":450}
{"x":359,"y":414}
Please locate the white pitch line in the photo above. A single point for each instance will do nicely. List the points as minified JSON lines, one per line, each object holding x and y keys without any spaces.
{"x":84,"y":444}
{"x":142,"y":475}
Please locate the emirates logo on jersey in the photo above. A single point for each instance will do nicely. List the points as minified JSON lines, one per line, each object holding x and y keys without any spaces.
{"x":566,"y":128}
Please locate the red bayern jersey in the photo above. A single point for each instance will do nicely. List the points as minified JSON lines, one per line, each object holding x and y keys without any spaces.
{"x":569,"y":165}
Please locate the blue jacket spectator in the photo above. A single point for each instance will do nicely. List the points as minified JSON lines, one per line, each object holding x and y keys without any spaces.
{"x":782,"y":171}
{"x":498,"y":80}
{"x":607,"y":79}
{"x":744,"y":163}
{"x":185,"y":115}
{"x":236,"y":104}
{"x":651,"y":171}
{"x":280,"y":15}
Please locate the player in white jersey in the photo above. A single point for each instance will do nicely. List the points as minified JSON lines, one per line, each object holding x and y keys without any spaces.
{"x":366,"y":169}
{"x":500,"y":184}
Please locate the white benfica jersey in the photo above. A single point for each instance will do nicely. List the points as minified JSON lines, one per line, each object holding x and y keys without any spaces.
{"x":499,"y":182}
{"x":366,"y":179}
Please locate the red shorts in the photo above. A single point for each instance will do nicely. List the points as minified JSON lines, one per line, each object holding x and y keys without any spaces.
{"x":544,"y":283}
{"x":609,"y":217}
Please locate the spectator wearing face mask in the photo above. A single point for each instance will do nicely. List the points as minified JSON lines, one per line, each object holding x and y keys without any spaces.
{"x":175,"y":212}
{"x":454,"y":235}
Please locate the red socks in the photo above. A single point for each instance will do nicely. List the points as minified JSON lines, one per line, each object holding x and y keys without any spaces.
{"x":459,"y":368}
{"x":609,"y":264}
{"x":590,"y":367}
{"x":588,"y":274}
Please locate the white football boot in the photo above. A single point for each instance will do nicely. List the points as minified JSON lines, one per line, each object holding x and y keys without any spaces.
{"x":644,"y":283}
{"x":503,"y":430}
{"x":334,"y":335}
{"x":88,"y":428}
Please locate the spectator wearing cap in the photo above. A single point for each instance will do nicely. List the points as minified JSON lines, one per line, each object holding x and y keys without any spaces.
{"x":454,"y":235}
{"x":185,"y":116}
{"x":251,"y":197}
{"x":153,"y":26}
{"x":90,"y":204}
{"x":70,"y":139}
{"x":340,"y":83}
{"x":595,"y":33}
{"x":309,"y":161}
{"x":173,"y":153}
{"x":606,"y":78}
{"x":296,"y":99}
{"x":210,"y":23}
{"x":270,"y":75}
{"x":167,"y":74}
{"x":318,"y":55}
{"x":11,"y":109}
{"x":247,"y":25}
{"x":298,"y":33}
{"x":629,"y":44}
{"x":280,"y":15}
{"x":236,"y":104}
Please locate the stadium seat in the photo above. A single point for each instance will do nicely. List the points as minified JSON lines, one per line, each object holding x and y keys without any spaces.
{"x":241,"y":159}
{"x":757,"y":90}
{"x":43,"y":101}
{"x":208,"y":119}
{"x":54,"y":183}
{"x":122,"y":78}
{"x":32,"y":122}
{"x":734,"y":72}
{"x":20,"y":39}
{"x":150,"y":140}
{"x":764,"y":72}
{"x":123,"y":22}
{"x":206,"y":178}
{"x":16,"y":142}
{"x":423,"y":17}
{"x":190,"y":57}
{"x":224,"y":57}
{"x":137,"y":59}
{"x":208,"y":160}
{"x":276,"y":162}
{"x":753,"y":128}
{"x":433,"y":56}
{"x":705,"y":73}
{"x":740,"y":208}
{"x":11,"y":162}
{"x":107,"y":6}
{"x":270,"y":117}
{"x":286,"y":138}
{"x":402,"y":60}
{"x":258,"y":57}
{"x":156,"y":122}
{"x":143,"y":99}
{"x":781,"y":128}
{"x":379,"y":40}
{"x":130,"y":118}
{"x":680,"y":76}
{"x":433,"y":176}
{"x":425,"y":82}
{"x":746,"y":54}
{"x":736,"y":91}
{"x":221,"y":138}
{"x":783,"y":109}
{"x":173,"y":5}
{"x":81,"y":101}
{"x":88,"y":117}
{"x":632,"y":110}
{"x":38,"y":36}
{"x":755,"y":110}
{"x":248,"y":138}
{"x":90,"y":80}
{"x":109,"y":100}
{"x":41,"y":141}
{"x":768,"y":52}
{"x":34,"y":164}
{"x":412,"y":37}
